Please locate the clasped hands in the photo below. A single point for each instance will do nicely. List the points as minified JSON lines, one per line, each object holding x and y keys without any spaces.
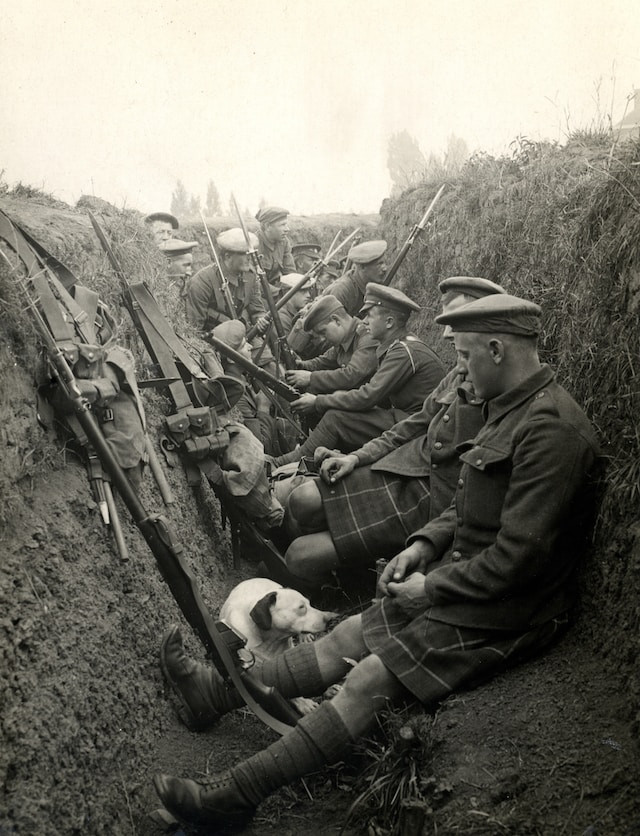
{"x":404,"y":577}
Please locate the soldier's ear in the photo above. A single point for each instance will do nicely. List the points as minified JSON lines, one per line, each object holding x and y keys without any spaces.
{"x":261,"y":612}
{"x":496,"y":348}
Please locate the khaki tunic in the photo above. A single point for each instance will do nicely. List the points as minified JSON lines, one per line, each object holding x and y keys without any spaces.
{"x":277,"y":259}
{"x":344,"y":366}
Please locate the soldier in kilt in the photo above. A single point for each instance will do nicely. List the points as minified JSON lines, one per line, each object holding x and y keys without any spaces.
{"x":487,"y":583}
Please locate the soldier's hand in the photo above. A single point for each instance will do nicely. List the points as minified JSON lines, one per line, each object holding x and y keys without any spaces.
{"x":410,"y":594}
{"x":262,"y":324}
{"x":335,"y":468}
{"x":300,"y":379}
{"x":415,"y":558}
{"x":304,"y":404}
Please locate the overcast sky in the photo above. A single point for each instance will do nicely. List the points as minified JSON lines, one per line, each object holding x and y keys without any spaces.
{"x":292,"y":100}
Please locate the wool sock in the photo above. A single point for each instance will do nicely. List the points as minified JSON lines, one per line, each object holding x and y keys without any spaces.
{"x":319,"y":738}
{"x":294,"y":673}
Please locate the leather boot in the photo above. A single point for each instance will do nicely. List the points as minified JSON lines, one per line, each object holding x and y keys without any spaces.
{"x":216,"y":801}
{"x":204,"y":696}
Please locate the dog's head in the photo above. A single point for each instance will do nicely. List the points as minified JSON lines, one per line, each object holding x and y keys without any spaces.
{"x":288,"y":612}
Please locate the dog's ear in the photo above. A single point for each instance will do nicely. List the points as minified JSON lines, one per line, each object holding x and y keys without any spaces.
{"x":261,"y":612}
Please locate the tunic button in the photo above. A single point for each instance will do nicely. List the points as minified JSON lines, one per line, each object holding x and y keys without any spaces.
{"x":456,"y":556}
{"x":438,"y":445}
{"x":478,"y":461}
{"x":434,"y":466}
{"x":460,"y":520}
{"x":460,"y":483}
{"x":445,"y":418}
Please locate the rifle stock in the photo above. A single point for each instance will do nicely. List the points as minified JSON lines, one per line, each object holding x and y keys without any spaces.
{"x":279,"y":387}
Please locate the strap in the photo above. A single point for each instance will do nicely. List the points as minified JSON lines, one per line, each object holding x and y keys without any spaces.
{"x":61,"y":328}
{"x":32,"y":253}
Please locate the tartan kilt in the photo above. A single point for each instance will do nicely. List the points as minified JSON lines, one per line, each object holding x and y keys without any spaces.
{"x":432,"y":659}
{"x":370,"y":514}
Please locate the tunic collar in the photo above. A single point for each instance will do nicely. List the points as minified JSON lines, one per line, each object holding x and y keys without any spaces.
{"x":497,"y":407}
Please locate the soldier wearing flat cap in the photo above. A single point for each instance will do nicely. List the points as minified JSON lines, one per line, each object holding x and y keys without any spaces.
{"x":162,"y":226}
{"x":351,"y":358}
{"x":179,"y":255}
{"x":488,"y":583}
{"x":369,"y":265}
{"x":273,"y":244}
{"x":290,"y":311}
{"x":407,"y":371}
{"x":305,"y":255}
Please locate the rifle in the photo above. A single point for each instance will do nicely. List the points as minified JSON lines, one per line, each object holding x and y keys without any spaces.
{"x":279,"y":714}
{"x":224,"y":284}
{"x":287,"y":354}
{"x":411,"y":238}
{"x":279,"y":387}
{"x":323,"y":262}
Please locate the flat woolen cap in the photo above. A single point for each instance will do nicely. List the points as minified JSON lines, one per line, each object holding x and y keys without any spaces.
{"x":470,"y":286}
{"x":321,"y":310}
{"x":367,"y":251}
{"x":175,"y":247}
{"x":306,"y":247}
{"x":271,"y":214}
{"x":387,"y":297}
{"x":231,"y":333}
{"x":233,"y":241}
{"x":162,"y":216}
{"x":292,"y":279}
{"x":495,"y":314}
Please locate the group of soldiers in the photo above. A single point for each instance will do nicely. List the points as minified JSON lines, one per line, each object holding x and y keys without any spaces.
{"x":474,"y":482}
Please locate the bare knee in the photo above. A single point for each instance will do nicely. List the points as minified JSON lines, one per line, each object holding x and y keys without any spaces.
{"x":345,"y":640}
{"x":370,"y":681}
{"x":305,"y":504}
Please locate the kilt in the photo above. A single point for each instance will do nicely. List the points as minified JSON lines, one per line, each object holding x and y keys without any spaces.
{"x":432,"y":659}
{"x":370,"y":514}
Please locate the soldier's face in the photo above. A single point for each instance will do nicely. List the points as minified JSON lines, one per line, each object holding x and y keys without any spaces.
{"x":376,"y":321}
{"x":332,"y":330}
{"x":375,"y":270}
{"x":277,"y":231}
{"x":162,"y":231}
{"x":237,"y":263}
{"x":304,"y":262}
{"x":301,"y":298}
{"x":479,"y":357}
{"x":181,"y":266}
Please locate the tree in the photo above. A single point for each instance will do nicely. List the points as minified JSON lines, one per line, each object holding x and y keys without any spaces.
{"x":212,"y":204}
{"x":180,"y":201}
{"x":194,"y":206}
{"x":405,"y":161}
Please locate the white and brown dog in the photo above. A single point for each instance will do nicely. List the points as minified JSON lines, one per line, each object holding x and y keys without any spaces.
{"x":269,"y":615}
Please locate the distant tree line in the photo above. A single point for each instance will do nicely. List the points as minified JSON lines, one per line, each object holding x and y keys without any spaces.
{"x":187,"y":206}
{"x":408,"y":166}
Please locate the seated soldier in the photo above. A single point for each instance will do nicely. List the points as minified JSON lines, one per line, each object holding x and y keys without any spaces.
{"x":368,"y":265}
{"x":367,"y":502}
{"x":488,"y":583}
{"x":408,"y":370}
{"x":351,"y":359}
{"x":290,"y":311}
{"x":255,"y":407}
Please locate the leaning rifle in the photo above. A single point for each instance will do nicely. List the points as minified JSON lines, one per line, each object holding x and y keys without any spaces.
{"x":279,"y":387}
{"x":287,"y":354}
{"x":224,"y":284}
{"x":417,"y":229}
{"x":278,"y":713}
{"x":311,"y":272}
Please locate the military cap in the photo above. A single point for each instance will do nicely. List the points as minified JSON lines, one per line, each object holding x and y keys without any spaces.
{"x":292,"y":279}
{"x":271,"y":214}
{"x":495,"y":314}
{"x":367,"y":251}
{"x":162,"y":216}
{"x":233,"y":241}
{"x":307,"y":247}
{"x":176,"y":247}
{"x":470,"y":286}
{"x":387,"y":297}
{"x":321,"y":310}
{"x":231,"y":333}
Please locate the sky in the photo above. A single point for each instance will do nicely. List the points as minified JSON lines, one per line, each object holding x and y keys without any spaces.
{"x":293,"y":101}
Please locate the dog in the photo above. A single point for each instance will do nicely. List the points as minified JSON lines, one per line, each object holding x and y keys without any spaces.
{"x":269,"y":615}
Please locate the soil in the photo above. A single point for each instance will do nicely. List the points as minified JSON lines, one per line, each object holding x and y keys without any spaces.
{"x":549,"y":748}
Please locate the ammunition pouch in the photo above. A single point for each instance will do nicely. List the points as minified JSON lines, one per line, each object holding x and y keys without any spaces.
{"x":197,"y":435}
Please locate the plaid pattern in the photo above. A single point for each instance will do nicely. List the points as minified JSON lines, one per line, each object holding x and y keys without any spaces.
{"x":432,"y":658}
{"x":370,"y":514}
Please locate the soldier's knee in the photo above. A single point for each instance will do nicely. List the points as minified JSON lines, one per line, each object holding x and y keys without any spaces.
{"x":305,"y":501}
{"x":370,"y":680}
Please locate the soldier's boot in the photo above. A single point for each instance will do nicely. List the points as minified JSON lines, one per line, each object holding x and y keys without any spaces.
{"x":203,"y":694}
{"x":230,"y":799}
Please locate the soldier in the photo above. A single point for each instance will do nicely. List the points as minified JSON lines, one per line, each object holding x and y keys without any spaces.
{"x":349,"y":362}
{"x":408,"y":370}
{"x":179,"y":256}
{"x":368,"y":500}
{"x":305,"y":254}
{"x":162,"y":226}
{"x":206,"y":301}
{"x":290,"y":311}
{"x":486,"y":584}
{"x":369,"y":265}
{"x":273,"y":245}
